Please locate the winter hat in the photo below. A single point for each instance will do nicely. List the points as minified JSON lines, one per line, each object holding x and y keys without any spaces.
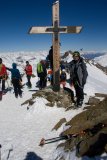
{"x":14,"y":65}
{"x":43,"y":60}
{"x":76,"y":53}
{"x":27,"y":62}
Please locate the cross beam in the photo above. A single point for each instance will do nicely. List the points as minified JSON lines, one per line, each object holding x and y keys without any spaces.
{"x":55,"y":29}
{"x":46,"y":29}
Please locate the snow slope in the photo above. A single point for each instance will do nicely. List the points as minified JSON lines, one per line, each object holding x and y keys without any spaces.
{"x":102,"y":60}
{"x":99,"y":57}
{"x":21,"y":130}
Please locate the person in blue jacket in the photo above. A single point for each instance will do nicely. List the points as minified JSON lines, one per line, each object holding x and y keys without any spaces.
{"x":16,"y":79}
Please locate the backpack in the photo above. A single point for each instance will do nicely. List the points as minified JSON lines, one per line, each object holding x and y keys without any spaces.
{"x":63,"y":76}
{"x":39,"y":68}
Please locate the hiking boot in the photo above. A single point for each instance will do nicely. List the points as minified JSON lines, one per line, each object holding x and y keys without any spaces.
{"x":40,"y":88}
{"x":4,"y":92}
{"x":16,"y":95}
{"x":80,"y":103}
{"x":29,"y":87}
{"x":73,"y":101}
{"x":20,"y":95}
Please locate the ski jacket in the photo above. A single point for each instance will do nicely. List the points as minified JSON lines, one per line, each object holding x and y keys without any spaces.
{"x":15,"y":74}
{"x":50,"y":57}
{"x":28,"y":69}
{"x":3,"y":71}
{"x":63,"y":77}
{"x":41,"y":70}
{"x":78,"y":72}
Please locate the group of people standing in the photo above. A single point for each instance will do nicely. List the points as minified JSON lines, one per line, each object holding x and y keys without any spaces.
{"x":78,"y":74}
{"x":77,"y":69}
{"x":16,"y":78}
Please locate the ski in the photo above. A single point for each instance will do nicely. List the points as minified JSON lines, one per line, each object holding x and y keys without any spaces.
{"x":42,"y":143}
{"x":33,"y":90}
{"x":52,"y":140}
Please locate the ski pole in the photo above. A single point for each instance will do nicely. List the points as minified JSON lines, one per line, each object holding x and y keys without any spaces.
{"x":0,"y":151}
{"x":10,"y":150}
{"x":0,"y":92}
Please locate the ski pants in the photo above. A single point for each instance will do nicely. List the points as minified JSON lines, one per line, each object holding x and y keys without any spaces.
{"x":43,"y":81}
{"x":28,"y":79}
{"x":2,"y":81}
{"x":79,"y":92}
{"x":17,"y":87}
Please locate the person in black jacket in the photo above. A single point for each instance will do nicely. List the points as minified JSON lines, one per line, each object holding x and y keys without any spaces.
{"x":50,"y":57}
{"x":78,"y":76}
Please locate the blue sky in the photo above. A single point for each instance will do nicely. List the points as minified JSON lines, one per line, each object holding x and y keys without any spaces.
{"x":17,"y":16}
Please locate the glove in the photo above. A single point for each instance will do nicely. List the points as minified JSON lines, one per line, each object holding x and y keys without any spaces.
{"x":6,"y":77}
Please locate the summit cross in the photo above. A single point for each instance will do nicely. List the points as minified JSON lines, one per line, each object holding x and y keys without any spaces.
{"x":55,"y":29}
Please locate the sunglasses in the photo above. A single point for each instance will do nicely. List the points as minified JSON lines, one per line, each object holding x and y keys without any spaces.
{"x":75,"y":56}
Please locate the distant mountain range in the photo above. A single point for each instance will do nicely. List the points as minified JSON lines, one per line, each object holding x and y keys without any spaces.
{"x":93,"y":55}
{"x":99,"y":57}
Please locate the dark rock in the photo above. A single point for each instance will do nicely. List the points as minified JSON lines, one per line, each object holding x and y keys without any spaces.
{"x":26,"y":102}
{"x":100,"y":95}
{"x":93,"y":100}
{"x":58,"y":125}
{"x":31,"y":102}
{"x":90,"y":128}
{"x":50,"y":104}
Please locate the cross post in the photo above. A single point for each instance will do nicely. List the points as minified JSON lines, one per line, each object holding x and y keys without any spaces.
{"x":55,"y":29}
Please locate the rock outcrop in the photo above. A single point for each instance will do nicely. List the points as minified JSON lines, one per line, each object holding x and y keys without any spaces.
{"x":90,"y":130}
{"x":60,"y":99}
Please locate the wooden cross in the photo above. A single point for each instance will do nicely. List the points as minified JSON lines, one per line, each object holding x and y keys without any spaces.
{"x":55,"y":29}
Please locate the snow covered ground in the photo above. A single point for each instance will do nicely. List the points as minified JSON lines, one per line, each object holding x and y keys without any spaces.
{"x":102,"y":60}
{"x":21,"y":130}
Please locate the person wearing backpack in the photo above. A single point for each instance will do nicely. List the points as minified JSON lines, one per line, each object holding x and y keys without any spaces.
{"x":16,"y":78}
{"x":28,"y":70}
{"x":63,"y":78}
{"x":42,"y":74}
{"x":78,"y":76}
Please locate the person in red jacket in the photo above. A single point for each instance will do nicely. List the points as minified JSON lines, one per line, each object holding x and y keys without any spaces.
{"x":28,"y":70}
{"x":3,"y":74}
